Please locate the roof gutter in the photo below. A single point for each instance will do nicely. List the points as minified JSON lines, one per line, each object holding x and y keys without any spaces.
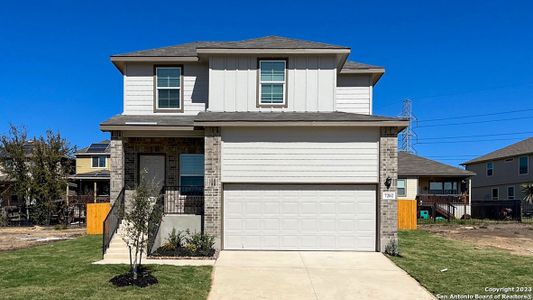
{"x":120,"y":61}
{"x":271,"y":51}
{"x":214,"y":123}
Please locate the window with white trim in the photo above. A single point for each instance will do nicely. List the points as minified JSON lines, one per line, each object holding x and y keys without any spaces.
{"x":495,"y":193}
{"x":510,"y":193}
{"x":401,"y":187}
{"x":490,"y":168}
{"x":272,"y":82}
{"x":523,"y":165}
{"x":168,"y":88}
{"x":99,"y":162}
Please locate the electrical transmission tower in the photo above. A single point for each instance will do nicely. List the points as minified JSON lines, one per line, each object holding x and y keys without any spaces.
{"x":408,"y":136}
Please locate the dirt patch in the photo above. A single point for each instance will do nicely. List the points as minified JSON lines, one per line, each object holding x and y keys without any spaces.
{"x":514,"y":237}
{"x":23,"y":237}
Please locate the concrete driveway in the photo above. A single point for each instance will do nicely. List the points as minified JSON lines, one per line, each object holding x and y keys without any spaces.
{"x":311,"y":275}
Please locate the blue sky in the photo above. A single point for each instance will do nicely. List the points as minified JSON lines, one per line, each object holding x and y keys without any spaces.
{"x":451,"y":58}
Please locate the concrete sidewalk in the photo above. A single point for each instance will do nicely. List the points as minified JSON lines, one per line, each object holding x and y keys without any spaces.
{"x":311,"y":275}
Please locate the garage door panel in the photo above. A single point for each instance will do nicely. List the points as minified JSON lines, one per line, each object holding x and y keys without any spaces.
{"x":299,"y":217}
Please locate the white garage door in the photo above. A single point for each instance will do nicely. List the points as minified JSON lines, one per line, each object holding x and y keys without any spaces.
{"x":299,"y":217}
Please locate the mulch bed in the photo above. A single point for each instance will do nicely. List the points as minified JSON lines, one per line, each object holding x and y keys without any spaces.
{"x":144,"y":279}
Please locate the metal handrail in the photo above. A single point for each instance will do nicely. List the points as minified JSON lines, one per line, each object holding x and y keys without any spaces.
{"x":184,"y":200}
{"x":112,"y":220}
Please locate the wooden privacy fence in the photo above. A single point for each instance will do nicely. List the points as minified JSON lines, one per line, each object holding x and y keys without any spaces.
{"x":407,"y":214}
{"x":96,"y":213}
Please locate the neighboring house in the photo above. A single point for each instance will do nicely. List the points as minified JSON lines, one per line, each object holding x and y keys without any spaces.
{"x":276,"y":133}
{"x":501,"y":173}
{"x":431,"y":182}
{"x":92,"y":173}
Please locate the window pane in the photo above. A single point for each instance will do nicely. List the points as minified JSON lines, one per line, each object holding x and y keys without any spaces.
{"x":192,"y":164}
{"x":510,"y":193}
{"x":168,"y":98}
{"x":95,"y":162}
{"x":495,"y":193}
{"x":435,"y":187}
{"x":401,"y":183}
{"x":168,"y":77}
{"x":524,"y":165}
{"x":272,"y":71}
{"x":271,"y":93}
{"x":101,"y":163}
{"x":192,"y":181}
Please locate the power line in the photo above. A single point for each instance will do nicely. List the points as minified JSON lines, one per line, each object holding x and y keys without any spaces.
{"x":452,"y":156}
{"x":469,"y":141}
{"x":476,"y":135}
{"x":477,"y":115}
{"x":476,"y":122}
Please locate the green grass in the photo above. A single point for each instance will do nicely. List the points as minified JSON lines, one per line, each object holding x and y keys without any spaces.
{"x":470,"y":270}
{"x":63,"y":270}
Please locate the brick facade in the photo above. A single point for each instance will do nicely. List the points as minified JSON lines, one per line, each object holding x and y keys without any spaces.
{"x":388,"y":167}
{"x":213,"y":185}
{"x":170,"y":147}
{"x":117,"y":165}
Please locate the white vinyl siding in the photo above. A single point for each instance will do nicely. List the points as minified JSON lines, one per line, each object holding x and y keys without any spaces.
{"x":354,"y":94}
{"x":300,"y":155}
{"x":299,"y":217}
{"x":311,"y":82}
{"x":139,"y":88}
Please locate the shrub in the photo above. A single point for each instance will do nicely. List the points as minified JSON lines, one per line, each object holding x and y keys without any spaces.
{"x":176,"y":238}
{"x":201,"y":244}
{"x":392,"y":247}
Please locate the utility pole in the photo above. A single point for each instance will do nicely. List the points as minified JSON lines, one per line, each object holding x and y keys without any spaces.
{"x":408,"y":136}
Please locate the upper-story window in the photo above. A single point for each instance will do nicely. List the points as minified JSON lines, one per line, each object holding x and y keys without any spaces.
{"x":272,"y":82}
{"x":523,"y":167}
{"x":490,"y":168}
{"x":168,"y":88}
{"x":98,"y":161}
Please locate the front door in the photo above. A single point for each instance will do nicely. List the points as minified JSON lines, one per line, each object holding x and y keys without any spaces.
{"x":153,"y":167}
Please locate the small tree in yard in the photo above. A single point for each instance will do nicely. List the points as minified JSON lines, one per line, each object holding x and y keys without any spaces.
{"x":139,"y":213}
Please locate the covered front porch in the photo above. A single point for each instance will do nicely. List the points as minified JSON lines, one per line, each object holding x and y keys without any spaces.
{"x":174,"y":161}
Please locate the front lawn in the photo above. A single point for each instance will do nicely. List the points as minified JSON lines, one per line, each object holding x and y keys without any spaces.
{"x":469,"y":269}
{"x":63,"y":270}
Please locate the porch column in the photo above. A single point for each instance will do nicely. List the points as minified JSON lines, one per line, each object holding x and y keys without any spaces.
{"x":388,"y":167}
{"x":213,"y":186}
{"x":94,"y":192}
{"x":117,"y":165}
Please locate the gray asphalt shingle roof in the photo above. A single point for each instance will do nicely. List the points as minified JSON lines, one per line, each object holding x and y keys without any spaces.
{"x":124,"y":120}
{"x":190,"y":121}
{"x":520,"y":148}
{"x":267,"y":42}
{"x":104,"y":174}
{"x":289,"y":117}
{"x":353,"y":65}
{"x":413,"y":165}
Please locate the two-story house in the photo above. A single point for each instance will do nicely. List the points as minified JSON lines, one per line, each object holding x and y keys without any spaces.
{"x":92,"y":173}
{"x":501,"y":173}
{"x":278,"y":133}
